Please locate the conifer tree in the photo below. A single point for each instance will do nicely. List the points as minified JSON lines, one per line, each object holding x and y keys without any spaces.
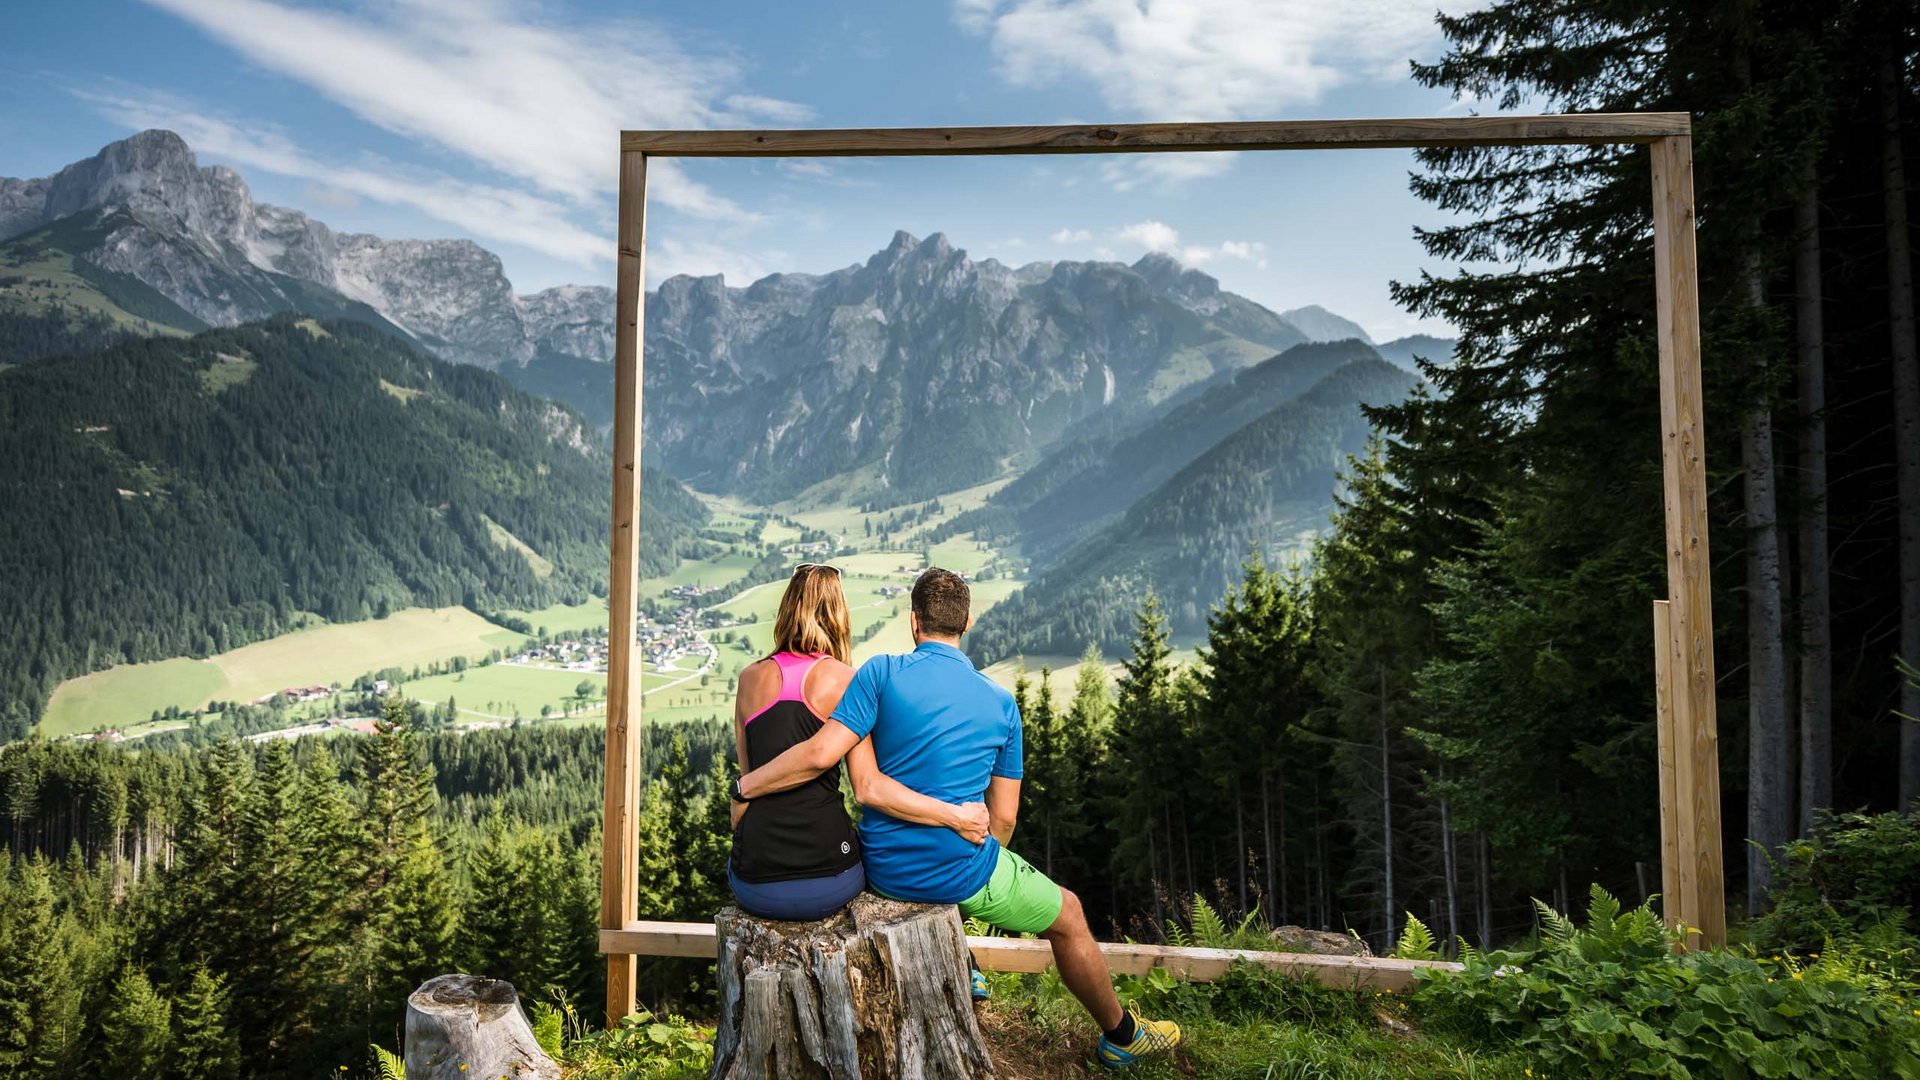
{"x":1042,"y":786}
{"x":416,"y":917}
{"x":204,"y":1048}
{"x":135,"y":1033}
{"x":1084,"y":779}
{"x":1146,"y":748}
{"x":38,"y":1003}
{"x":489,"y":925}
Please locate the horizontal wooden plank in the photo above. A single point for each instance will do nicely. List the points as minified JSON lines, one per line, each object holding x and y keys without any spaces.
{"x":1150,"y":138}
{"x":1025,"y":954}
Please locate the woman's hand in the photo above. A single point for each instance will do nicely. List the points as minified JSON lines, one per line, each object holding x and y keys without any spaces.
{"x":971,"y":821}
{"x":740,"y":810}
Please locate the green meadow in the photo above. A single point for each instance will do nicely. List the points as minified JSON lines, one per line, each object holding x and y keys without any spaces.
{"x":329,"y":654}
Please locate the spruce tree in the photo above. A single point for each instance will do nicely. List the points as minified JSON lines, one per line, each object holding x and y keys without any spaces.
{"x":135,"y":1032}
{"x":39,"y":1005}
{"x":1146,"y":752}
{"x":204,"y":1047}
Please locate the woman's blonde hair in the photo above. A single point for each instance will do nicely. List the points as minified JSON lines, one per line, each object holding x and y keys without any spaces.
{"x":813,"y":616}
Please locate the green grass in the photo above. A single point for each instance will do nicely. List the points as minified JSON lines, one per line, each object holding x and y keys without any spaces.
{"x":320,"y":655}
{"x":506,"y":541}
{"x":504,"y":691}
{"x":329,"y":654}
{"x":559,"y":618}
{"x":708,"y":573}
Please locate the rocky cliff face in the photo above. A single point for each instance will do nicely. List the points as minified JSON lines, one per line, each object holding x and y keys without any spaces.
{"x":920,"y":370}
{"x":145,"y":207}
{"x":923,"y":367}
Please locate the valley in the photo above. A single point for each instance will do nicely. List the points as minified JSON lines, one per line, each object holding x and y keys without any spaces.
{"x":487,"y":671}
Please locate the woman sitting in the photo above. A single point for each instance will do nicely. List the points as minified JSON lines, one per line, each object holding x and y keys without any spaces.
{"x":795,"y":853}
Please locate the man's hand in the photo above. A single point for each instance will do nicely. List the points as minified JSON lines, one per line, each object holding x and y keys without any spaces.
{"x":971,"y":821}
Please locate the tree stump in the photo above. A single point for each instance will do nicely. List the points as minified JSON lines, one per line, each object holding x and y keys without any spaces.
{"x":464,"y":1027}
{"x":877,"y":992}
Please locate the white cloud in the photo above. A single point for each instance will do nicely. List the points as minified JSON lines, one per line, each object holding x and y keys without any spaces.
{"x":491,"y":212}
{"x":1130,"y":171}
{"x":1202,"y":59}
{"x":494,"y":82}
{"x":1252,"y":251}
{"x":1071,"y":236}
{"x":766,"y":108}
{"x":671,"y":256}
{"x":1152,"y":235}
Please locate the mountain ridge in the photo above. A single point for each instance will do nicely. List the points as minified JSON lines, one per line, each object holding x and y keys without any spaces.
{"x":186,"y":496}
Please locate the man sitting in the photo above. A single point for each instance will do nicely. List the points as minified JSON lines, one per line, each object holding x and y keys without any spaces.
{"x":947,"y":731}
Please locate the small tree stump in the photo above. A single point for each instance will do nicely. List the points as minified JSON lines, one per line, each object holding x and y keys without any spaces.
{"x":464,"y":1027}
{"x":877,"y":992}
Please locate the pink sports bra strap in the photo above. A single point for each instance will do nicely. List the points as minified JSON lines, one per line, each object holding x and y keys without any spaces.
{"x":793,"y":674}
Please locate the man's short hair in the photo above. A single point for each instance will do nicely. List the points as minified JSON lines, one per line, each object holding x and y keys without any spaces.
{"x":941,"y":599}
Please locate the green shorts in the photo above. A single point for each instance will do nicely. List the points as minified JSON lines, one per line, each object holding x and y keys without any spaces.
{"x":1016,"y":898}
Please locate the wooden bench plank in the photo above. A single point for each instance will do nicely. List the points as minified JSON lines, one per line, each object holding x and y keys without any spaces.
{"x":650,"y":938}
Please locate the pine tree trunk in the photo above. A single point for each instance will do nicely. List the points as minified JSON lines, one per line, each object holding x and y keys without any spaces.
{"x":1815,"y":595}
{"x":1483,"y":872}
{"x":1447,"y":867}
{"x":1386,"y":818}
{"x":460,"y":1027}
{"x":1906,"y":405}
{"x":1767,"y":803}
{"x":1240,"y":841}
{"x":878,"y":991}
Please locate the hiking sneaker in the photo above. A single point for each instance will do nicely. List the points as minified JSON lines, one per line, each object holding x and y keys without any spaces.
{"x":981,"y":991}
{"x":1150,"y":1038}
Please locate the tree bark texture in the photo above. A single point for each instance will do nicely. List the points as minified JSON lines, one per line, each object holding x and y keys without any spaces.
{"x":877,"y":992}
{"x":462,"y":1027}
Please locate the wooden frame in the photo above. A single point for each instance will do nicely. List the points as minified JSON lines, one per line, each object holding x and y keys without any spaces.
{"x":1688,"y":767}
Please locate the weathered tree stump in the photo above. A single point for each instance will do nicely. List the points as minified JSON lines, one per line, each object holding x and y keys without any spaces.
{"x":877,"y":992}
{"x":464,"y":1027}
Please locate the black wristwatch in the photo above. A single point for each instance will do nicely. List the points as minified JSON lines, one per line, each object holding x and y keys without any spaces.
{"x":733,"y":791}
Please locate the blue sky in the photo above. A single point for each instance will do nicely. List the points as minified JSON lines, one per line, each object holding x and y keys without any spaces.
{"x":497,"y":120}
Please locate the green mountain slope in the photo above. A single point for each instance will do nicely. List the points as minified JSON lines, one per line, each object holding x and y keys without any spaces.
{"x":1268,"y":483}
{"x":46,"y":275}
{"x":1098,"y":475}
{"x":172,"y":497}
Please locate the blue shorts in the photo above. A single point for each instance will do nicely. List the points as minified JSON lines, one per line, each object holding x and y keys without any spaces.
{"x":798,"y":899}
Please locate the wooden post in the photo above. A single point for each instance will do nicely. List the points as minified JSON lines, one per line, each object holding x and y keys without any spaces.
{"x":1696,"y":820}
{"x":622,"y":794}
{"x":1670,"y":896}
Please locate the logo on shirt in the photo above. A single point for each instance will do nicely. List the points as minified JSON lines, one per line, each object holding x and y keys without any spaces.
{"x":845,"y":847}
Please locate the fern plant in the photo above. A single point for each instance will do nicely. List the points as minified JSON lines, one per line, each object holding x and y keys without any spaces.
{"x":1416,"y":941}
{"x":390,"y":1065}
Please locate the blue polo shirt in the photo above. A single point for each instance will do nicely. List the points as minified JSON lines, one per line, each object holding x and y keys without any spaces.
{"x":941,"y":728}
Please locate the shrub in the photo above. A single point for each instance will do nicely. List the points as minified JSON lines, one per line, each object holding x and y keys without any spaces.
{"x":1858,"y":873}
{"x":1613,"y":1000}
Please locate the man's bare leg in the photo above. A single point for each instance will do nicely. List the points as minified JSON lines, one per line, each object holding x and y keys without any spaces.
{"x":1081,"y":966}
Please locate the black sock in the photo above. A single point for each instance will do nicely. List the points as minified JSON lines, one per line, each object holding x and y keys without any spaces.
{"x":1123,"y":1032}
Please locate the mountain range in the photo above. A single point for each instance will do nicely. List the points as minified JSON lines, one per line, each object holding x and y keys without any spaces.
{"x":1156,"y":425}
{"x":186,"y":496}
{"x":1182,"y":522}
{"x":918,"y":371}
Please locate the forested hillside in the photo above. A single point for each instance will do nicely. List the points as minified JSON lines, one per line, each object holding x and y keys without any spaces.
{"x":1095,"y":476}
{"x":1266,"y":484}
{"x":263,"y":910}
{"x":173,"y":497}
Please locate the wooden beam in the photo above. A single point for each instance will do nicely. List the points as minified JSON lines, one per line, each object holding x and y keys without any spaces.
{"x":646,"y":938}
{"x":1696,"y":820}
{"x":618,"y":873}
{"x":1577,"y":128}
{"x":1670,"y":895}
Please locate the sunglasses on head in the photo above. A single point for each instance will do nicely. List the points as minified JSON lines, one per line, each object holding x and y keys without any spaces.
{"x":807,"y":566}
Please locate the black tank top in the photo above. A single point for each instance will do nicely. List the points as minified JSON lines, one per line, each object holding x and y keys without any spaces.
{"x":803,"y":832}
